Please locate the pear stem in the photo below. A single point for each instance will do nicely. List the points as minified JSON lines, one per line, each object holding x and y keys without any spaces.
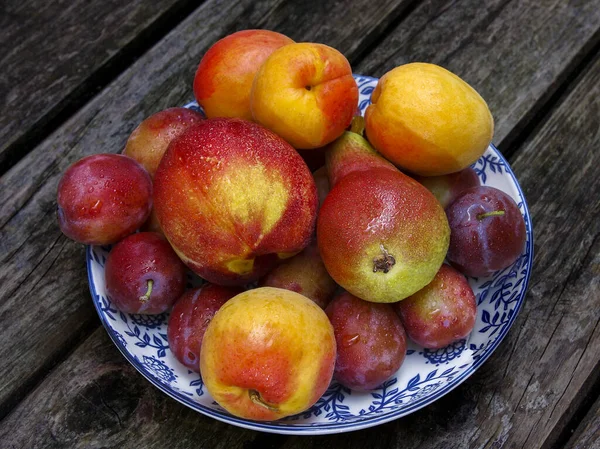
{"x":255,"y":397}
{"x":384,"y":262}
{"x":494,"y":213}
{"x":146,"y":296}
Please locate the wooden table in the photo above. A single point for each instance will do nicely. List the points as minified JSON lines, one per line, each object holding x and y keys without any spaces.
{"x":78,"y":76}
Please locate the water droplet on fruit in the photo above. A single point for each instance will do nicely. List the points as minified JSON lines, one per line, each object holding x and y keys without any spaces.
{"x":349,"y":340}
{"x":97,"y":206}
{"x":91,"y":189}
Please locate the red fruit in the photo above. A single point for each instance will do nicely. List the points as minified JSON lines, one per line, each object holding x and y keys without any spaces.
{"x":371,"y":342}
{"x":305,"y":274}
{"x":189,"y":319}
{"x":446,"y":188}
{"x":149,"y":141}
{"x":487,"y":231}
{"x":144,"y":275}
{"x":442,"y":312}
{"x":224,"y":77}
{"x":103,"y":198}
{"x":234,"y":199}
{"x":382,"y":235}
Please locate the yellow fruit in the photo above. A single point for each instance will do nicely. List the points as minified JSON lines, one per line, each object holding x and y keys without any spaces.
{"x":427,"y":120}
{"x":268,"y":353}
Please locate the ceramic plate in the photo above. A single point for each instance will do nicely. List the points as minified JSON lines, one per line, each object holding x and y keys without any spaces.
{"x":425,"y":376}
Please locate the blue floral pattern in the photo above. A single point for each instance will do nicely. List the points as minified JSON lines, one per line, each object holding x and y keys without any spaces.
{"x":425,"y":375}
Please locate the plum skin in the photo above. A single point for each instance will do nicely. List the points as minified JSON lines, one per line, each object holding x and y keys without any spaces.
{"x":371,"y":342}
{"x":442,"y":312}
{"x":133,"y":263}
{"x":103,"y":198}
{"x":487,"y":231}
{"x":189,"y":319}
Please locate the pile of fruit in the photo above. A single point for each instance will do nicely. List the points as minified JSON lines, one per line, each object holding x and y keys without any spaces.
{"x":346,"y":262}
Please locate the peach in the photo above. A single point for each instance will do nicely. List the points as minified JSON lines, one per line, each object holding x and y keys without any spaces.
{"x":427,"y":120}
{"x":233,"y":199}
{"x":305,"y":92}
{"x":224,"y":77}
{"x":268,"y":353}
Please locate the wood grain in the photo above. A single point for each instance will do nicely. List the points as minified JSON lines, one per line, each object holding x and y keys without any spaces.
{"x":102,"y":401}
{"x":525,"y":395}
{"x":587,"y":435}
{"x":44,"y":302}
{"x":521,"y":397}
{"x":54,"y":54}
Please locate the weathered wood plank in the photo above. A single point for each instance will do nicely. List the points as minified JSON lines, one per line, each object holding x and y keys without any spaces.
{"x":515,"y":53}
{"x":54,"y":54}
{"x":525,"y":395}
{"x":30,"y":242}
{"x":587,"y":435}
{"x":102,"y":401}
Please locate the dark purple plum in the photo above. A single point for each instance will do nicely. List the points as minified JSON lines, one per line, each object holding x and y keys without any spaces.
{"x":144,"y":275}
{"x":190,"y":317}
{"x":103,"y":198}
{"x":371,"y":342}
{"x":442,"y":312}
{"x":487,"y":231}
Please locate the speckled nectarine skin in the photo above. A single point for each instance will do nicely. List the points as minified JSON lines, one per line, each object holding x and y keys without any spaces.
{"x":233,"y":198}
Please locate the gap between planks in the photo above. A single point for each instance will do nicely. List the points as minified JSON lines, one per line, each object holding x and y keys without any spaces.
{"x":95,"y":83}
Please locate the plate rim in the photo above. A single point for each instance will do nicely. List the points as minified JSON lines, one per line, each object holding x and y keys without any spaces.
{"x":288,"y":428}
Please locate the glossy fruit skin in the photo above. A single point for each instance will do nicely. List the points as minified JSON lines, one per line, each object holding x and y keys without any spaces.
{"x":103,"y":198}
{"x":224,"y":77}
{"x":136,"y":260}
{"x":377,"y":215}
{"x":371,"y":342}
{"x":271,"y":346}
{"x":446,"y":188}
{"x":305,"y":93}
{"x":234,"y":199}
{"x":427,"y":120}
{"x":303,"y":273}
{"x":441,"y":313}
{"x":149,"y":141}
{"x":189,"y":319}
{"x":479,"y":246}
{"x":349,"y":153}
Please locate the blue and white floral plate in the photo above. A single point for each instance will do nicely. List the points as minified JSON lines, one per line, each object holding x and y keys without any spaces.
{"x":425,"y":375}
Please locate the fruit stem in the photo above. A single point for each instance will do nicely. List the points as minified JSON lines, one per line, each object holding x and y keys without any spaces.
{"x":383,"y":262}
{"x":255,"y":397}
{"x":358,"y":125}
{"x":494,"y":213}
{"x":146,"y":296}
